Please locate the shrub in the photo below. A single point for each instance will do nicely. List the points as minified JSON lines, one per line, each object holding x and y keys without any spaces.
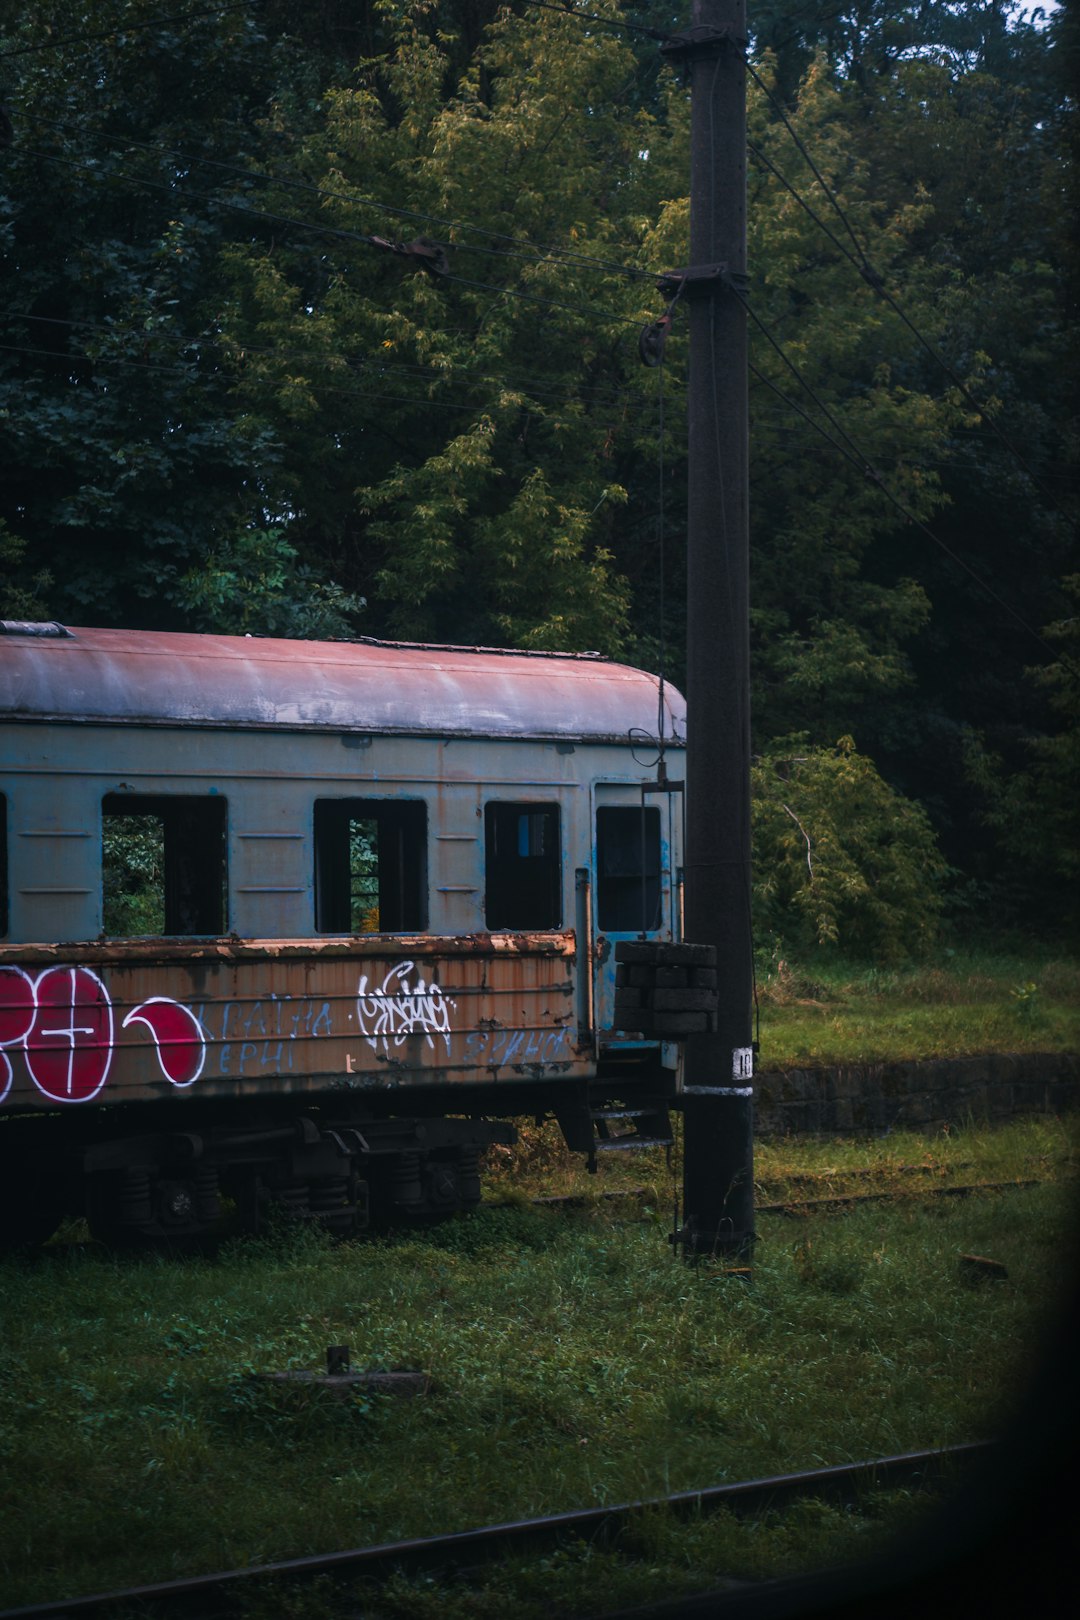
{"x":840,"y":857}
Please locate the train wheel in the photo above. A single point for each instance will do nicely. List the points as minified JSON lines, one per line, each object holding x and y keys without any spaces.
{"x":414,"y":1190}
{"x":136,"y":1208}
{"x":332,"y":1206}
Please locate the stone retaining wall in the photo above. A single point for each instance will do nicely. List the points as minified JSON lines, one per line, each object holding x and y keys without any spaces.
{"x":872,"y":1098}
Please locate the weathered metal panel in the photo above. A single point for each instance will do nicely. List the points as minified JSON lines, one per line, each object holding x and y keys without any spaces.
{"x":146,"y":678}
{"x":55,"y":777}
{"x":122,"y":1023}
{"x":628,"y":796}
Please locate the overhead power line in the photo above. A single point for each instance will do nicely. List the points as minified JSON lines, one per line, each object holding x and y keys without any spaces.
{"x":778,"y":107}
{"x":332,"y":231}
{"x":102,"y":364}
{"x":123,"y":28}
{"x":852,"y":453}
{"x":375,"y":364}
{"x":530,"y":252}
{"x":859,"y":259}
{"x":618,"y":23}
{"x":876,"y":283}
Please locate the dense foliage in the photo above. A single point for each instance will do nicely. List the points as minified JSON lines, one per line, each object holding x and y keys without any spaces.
{"x":228,"y":400}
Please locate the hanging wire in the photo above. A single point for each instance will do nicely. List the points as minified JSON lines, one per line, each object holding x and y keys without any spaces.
{"x":358,"y":364}
{"x":123,"y":28}
{"x":851,"y":452}
{"x":860,"y":262}
{"x":519,"y":248}
{"x":778,"y":107}
{"x":616,"y":23}
{"x":336,"y":233}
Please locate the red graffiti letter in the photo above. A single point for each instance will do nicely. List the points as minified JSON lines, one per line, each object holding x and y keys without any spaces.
{"x":16,"y":1005}
{"x":70,"y":1043}
{"x":178,"y":1036}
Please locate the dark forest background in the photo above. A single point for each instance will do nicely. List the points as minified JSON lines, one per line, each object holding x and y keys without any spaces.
{"x":228,"y":403}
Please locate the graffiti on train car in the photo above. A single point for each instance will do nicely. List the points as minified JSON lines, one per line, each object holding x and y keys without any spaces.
{"x":496,"y":1047}
{"x":63,"y":1020}
{"x":399,"y":1008}
{"x":259,"y":1035}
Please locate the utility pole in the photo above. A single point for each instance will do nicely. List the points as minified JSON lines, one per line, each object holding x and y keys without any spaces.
{"x":718,"y":1190}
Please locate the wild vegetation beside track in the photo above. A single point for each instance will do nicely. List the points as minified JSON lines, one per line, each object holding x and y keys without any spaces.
{"x":574,"y":1362}
{"x":964,"y":1002}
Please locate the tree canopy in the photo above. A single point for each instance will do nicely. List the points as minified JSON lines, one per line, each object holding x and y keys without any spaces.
{"x":326,"y":320}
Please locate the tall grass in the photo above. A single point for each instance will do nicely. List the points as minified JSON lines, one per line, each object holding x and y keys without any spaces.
{"x":574,"y":1362}
{"x":824,"y":1009}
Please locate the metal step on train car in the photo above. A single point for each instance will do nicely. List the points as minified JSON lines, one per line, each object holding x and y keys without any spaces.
{"x":304,"y":923}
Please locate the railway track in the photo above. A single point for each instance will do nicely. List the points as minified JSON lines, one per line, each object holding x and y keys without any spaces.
{"x":207,"y":1596}
{"x":794,"y":1206}
{"x":807,"y":1206}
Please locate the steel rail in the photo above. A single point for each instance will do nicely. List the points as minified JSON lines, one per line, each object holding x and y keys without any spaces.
{"x":787,"y":1206}
{"x":807,"y":1206}
{"x":793,"y":1207}
{"x":466,"y":1548}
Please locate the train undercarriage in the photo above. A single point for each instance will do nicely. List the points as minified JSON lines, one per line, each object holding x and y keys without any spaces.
{"x":139,"y":1180}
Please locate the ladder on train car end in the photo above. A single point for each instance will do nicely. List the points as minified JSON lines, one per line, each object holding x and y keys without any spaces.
{"x":597,"y":1123}
{"x":626,"y":1130}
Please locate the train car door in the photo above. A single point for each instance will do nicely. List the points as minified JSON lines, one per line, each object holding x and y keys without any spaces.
{"x":634,"y":888}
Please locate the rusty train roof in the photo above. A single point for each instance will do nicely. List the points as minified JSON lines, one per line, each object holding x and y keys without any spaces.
{"x":134,"y":677}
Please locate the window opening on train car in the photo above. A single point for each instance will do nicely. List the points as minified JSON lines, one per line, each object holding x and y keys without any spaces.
{"x":623,"y":903}
{"x":163,"y":864}
{"x":370,"y":866}
{"x":523,"y":865}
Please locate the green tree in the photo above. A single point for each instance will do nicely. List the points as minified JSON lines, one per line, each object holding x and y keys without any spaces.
{"x":987,"y":148}
{"x":452,"y":439}
{"x":840,"y":856}
{"x":504,"y":429}
{"x":125,"y":462}
{"x":835,"y":605}
{"x":1033,"y":806}
{"x":25,"y":599}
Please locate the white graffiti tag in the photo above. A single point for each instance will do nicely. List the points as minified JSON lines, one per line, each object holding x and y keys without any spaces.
{"x":399,"y":1008}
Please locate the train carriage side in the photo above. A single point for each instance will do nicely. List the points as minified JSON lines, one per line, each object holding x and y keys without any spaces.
{"x":299,"y":923}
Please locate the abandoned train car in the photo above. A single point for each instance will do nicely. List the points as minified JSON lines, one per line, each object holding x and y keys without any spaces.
{"x":302,"y":923}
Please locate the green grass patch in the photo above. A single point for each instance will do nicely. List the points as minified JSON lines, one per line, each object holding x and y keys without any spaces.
{"x":825,"y":1010}
{"x":575,"y":1362}
{"x":1040,"y":1147}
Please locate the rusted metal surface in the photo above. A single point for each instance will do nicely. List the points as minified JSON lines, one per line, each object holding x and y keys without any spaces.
{"x":144,"y":678}
{"x":129,"y":1023}
{"x":166,"y":951}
